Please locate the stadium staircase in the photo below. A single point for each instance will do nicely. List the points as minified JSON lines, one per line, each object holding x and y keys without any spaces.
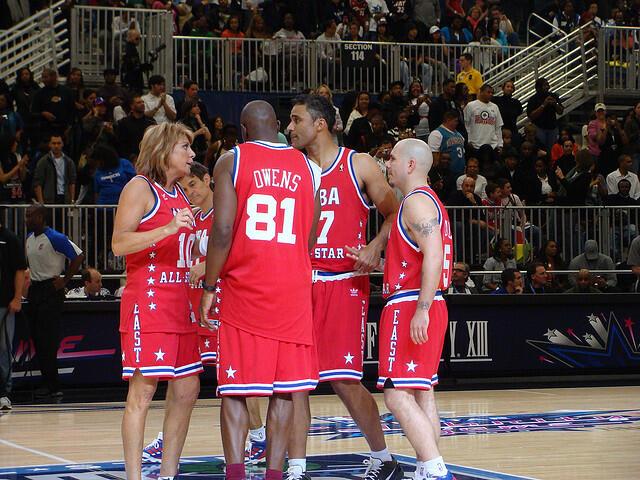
{"x":568,"y":61}
{"x":39,"y":41}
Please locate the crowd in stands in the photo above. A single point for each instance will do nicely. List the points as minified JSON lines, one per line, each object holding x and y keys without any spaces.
{"x":63,"y":143}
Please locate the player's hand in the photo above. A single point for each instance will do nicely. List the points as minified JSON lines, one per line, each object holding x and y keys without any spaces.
{"x":15,"y":305}
{"x":419,"y":326}
{"x":182,"y":219}
{"x":366,"y":258}
{"x":197,"y":272}
{"x":206,"y":302}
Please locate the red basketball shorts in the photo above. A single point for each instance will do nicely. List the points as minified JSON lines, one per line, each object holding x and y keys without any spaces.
{"x":340,"y":307}
{"x":250,"y":365}
{"x":404,"y":363}
{"x":208,"y":344}
{"x":163,"y":355}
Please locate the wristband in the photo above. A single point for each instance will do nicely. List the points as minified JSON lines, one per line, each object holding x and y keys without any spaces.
{"x":208,"y":288}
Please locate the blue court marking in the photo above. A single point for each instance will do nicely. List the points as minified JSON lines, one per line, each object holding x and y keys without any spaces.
{"x":348,"y":466}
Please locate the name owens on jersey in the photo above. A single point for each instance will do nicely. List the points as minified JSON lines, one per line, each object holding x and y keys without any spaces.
{"x":343,"y":217}
{"x":403,"y":264}
{"x":156,"y":296}
{"x":267,"y":275}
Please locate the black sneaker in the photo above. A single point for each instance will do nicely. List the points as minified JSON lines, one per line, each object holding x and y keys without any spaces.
{"x":379,"y":470}
{"x":295,"y":473}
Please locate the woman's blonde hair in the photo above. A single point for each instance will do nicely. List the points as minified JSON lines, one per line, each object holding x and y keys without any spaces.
{"x":156,"y":147}
{"x":324,"y":85}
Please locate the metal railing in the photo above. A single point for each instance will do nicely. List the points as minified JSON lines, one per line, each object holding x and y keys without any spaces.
{"x":99,"y":35}
{"x":475,"y":230}
{"x":619,"y":61}
{"x":569,"y":62}
{"x":36,"y":42}
{"x":279,"y":65}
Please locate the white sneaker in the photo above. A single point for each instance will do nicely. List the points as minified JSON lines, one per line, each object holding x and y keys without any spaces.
{"x":5,"y":403}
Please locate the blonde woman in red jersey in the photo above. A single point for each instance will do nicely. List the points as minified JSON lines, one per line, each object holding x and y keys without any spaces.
{"x":153,"y":229}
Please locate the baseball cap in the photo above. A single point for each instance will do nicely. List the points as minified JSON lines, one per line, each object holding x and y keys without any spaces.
{"x":434,"y":29}
{"x":99,"y":101}
{"x":382,"y":21}
{"x":591,"y":250}
{"x":600,"y":106}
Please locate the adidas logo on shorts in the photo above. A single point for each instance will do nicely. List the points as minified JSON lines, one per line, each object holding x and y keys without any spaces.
{"x":354,"y":292}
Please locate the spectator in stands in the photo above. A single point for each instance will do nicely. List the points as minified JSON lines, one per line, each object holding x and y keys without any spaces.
{"x":377,"y":10}
{"x":558,"y":149}
{"x":113,"y":93}
{"x":460,"y":281}
{"x":12,"y":272}
{"x":75,"y":83}
{"x":511,"y":283}
{"x":624,"y":229}
{"x":606,"y":139}
{"x":191,"y":90}
{"x":492,"y":200}
{"x":360,"y":110}
{"x":468,"y":75}
{"x":472,"y":170}
{"x":395,"y":104}
{"x":446,"y":139}
{"x":497,"y":35}
{"x":157,"y":104}
{"x":22,"y":93}
{"x":13,"y":170}
{"x":537,"y":279}
{"x":502,"y":258}
{"x":219,"y":148}
{"x":551,"y":258}
{"x":97,"y":124}
{"x":46,"y":251}
{"x":506,"y":26}
{"x":327,"y":47}
{"x":130,"y":130}
{"x":542,"y":109}
{"x":584,"y":283}
{"x":402,"y":129}
{"x":190,"y":116}
{"x":632,"y":130}
{"x":92,"y":288}
{"x":546,"y":186}
{"x":483,"y":123}
{"x":383,"y":33}
{"x":54,"y":181}
{"x":456,"y":33}
{"x":578,"y":182}
{"x":624,"y":171}
{"x":11,"y":123}
{"x":510,"y":110}
{"x":132,"y":65}
{"x":53,"y":105}
{"x":567,"y":20}
{"x":112,"y":174}
{"x":531,"y":136}
{"x":567,"y":160}
{"x":633,"y":260}
{"x":400,"y":15}
{"x":443,"y":103}
{"x":592,"y":259}
{"x":591,"y":15}
{"x":476,"y":17}
{"x":461,"y":98}
{"x":365,"y":129}
{"x":427,"y":12}
{"x":289,"y":32}
{"x":324,"y":91}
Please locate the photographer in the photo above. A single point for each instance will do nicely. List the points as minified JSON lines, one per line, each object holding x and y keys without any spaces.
{"x":132,"y":66}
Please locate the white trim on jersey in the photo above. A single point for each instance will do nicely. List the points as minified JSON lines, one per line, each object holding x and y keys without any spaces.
{"x":403,"y":233}
{"x":340,"y":374}
{"x":203,"y":216}
{"x":409,"y":382}
{"x":156,"y":205}
{"x":334,"y":163}
{"x":236,"y":164}
{"x":173,"y":194}
{"x":181,"y":191}
{"x":272,"y":145}
{"x":249,"y":389}
{"x":316,"y":175}
{"x":354,"y":179}
{"x":409,"y":296}
{"x":164,"y":370}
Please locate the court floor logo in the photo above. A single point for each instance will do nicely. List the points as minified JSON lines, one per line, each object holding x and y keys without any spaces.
{"x":335,"y":466}
{"x":334,"y":428}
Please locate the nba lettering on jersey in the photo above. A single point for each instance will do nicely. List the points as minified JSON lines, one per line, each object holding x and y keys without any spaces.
{"x":485,"y":118}
{"x":274,"y":177}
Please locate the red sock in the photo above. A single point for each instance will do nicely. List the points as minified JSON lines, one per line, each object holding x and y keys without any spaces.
{"x":273,"y":475}
{"x":236,"y":471}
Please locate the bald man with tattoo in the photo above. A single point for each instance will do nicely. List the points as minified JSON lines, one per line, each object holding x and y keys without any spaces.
{"x":414,"y":320}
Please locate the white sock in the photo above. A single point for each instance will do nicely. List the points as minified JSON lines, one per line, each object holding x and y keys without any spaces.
{"x":258,"y":434}
{"x":383,"y":455}
{"x":298,"y":462}
{"x":435,"y":467}
{"x":160,"y":436}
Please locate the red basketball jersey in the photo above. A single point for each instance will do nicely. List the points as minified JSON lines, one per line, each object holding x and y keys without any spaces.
{"x":343,"y":220}
{"x":403,"y":264}
{"x":203,"y":221}
{"x":267,"y":276}
{"x":156,"y":297}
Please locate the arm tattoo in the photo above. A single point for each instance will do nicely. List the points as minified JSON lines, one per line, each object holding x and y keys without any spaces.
{"x":423,"y":305}
{"x":425,"y":228}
